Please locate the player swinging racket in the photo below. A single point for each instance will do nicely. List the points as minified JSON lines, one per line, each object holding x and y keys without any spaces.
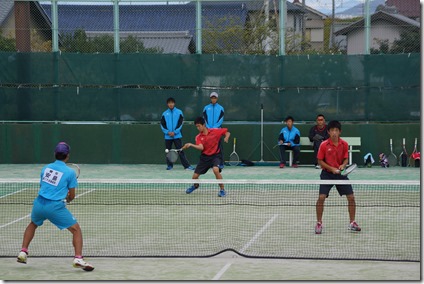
{"x":207,"y":141}
{"x":58,"y":182}
{"x":333,"y":157}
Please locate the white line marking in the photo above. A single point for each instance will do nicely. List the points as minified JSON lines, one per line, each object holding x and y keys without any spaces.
{"x":222,"y":271}
{"x":15,"y":221}
{"x":12,"y":193}
{"x":20,"y":219}
{"x":246,"y":246}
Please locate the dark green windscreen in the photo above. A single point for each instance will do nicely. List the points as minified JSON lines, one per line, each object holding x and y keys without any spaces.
{"x":134,"y":87}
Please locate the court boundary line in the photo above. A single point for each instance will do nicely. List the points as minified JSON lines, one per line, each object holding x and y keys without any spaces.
{"x":246,"y":246}
{"x":15,"y":192}
{"x":24,"y":217}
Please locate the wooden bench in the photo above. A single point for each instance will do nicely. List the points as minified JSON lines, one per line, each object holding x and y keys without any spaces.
{"x":306,"y":146}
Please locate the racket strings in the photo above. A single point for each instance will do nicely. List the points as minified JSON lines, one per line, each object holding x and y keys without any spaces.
{"x":172,"y":156}
{"x":234,"y":159}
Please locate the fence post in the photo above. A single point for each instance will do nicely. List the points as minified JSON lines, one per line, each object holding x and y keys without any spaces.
{"x":367,"y":27}
{"x":116,"y":26}
{"x":55,"y":27}
{"x":282,"y":16}
{"x":198,"y":27}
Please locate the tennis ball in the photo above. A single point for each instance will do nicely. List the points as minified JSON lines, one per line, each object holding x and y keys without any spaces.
{"x":166,"y":151}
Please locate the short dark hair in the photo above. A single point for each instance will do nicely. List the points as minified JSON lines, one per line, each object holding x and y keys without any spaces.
{"x":60,"y":156}
{"x":334,"y":124}
{"x":171,"y":99}
{"x":289,"y":117}
{"x":320,"y":115}
{"x":199,"y":120}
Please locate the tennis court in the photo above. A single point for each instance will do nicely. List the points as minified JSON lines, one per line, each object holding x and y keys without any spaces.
{"x":257,"y":231}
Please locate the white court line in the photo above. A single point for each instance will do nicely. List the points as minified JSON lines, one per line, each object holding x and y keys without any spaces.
{"x":15,"y":221}
{"x":246,"y":246}
{"x":3,"y":196}
{"x":20,"y":219}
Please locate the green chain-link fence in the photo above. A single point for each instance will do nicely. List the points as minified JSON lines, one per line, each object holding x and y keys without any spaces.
{"x":217,"y":27}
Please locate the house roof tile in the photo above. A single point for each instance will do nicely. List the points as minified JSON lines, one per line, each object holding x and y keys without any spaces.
{"x":408,"y":8}
{"x":393,"y":18}
{"x":6,"y":7}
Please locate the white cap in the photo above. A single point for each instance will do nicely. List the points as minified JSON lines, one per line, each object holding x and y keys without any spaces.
{"x":213,"y":94}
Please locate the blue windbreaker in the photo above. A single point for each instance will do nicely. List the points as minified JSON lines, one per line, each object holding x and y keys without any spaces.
{"x":213,"y":115}
{"x":172,"y":121}
{"x":292,"y":136}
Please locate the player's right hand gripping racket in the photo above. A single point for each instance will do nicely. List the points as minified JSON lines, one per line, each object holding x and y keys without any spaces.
{"x":411,"y":158}
{"x":172,"y":154}
{"x":75,"y":167}
{"x":392,"y":157}
{"x":234,"y":157}
{"x":348,"y":169}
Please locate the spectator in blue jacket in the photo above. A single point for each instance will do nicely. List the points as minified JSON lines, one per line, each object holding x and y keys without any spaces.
{"x":289,"y":139}
{"x":171,"y":124}
{"x":213,"y":114}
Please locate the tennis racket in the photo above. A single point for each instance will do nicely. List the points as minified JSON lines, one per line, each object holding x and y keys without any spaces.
{"x":348,"y":169}
{"x":234,"y":157}
{"x":411,"y":158}
{"x":75,"y":167}
{"x":403,"y":157}
{"x":392,"y":157}
{"x":172,"y":154}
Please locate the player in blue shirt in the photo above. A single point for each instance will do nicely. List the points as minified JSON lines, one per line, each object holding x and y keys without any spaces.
{"x":57,"y":184}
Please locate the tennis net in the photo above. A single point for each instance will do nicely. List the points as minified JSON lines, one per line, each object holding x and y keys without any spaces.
{"x":257,"y":218}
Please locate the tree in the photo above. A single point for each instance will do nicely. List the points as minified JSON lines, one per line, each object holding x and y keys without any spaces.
{"x":7,"y":43}
{"x":80,"y":42}
{"x":409,"y":42}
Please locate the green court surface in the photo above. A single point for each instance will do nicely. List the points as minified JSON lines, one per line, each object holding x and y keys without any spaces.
{"x":225,"y":266}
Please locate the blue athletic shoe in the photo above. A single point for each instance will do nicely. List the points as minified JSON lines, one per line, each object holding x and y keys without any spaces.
{"x":190,"y":189}
{"x":169,"y":168}
{"x":189,"y":168}
{"x":221,"y":166}
{"x":222,"y":193}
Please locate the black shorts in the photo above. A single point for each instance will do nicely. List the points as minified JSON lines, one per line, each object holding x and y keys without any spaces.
{"x":343,"y":189}
{"x":207,"y":162}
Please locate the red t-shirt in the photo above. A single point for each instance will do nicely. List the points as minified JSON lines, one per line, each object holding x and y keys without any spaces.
{"x":331,"y":154}
{"x":210,"y":140}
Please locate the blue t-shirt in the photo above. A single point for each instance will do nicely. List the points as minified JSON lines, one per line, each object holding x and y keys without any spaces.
{"x":56,"y":180}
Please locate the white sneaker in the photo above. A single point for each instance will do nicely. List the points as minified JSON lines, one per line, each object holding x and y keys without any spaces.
{"x":80,"y":263}
{"x":318,"y":167}
{"x":354,"y":227}
{"x":22,"y":257}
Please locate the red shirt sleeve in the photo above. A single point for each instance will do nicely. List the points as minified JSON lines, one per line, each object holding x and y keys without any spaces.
{"x":223,"y":131}
{"x":345,"y":149}
{"x":321,"y":150}
{"x":197,"y":139}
